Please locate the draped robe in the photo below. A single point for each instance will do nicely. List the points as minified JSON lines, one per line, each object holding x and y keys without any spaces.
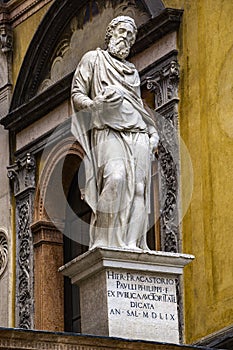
{"x":116,"y":144}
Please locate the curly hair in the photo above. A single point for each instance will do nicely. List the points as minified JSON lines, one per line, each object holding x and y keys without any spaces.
{"x":114,"y":23}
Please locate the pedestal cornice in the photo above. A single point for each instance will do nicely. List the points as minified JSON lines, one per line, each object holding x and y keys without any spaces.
{"x":100,"y":258}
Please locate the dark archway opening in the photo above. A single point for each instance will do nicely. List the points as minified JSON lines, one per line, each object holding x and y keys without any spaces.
{"x":76,"y":234}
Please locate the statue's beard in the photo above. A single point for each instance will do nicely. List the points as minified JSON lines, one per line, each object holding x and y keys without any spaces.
{"x":119,"y":48}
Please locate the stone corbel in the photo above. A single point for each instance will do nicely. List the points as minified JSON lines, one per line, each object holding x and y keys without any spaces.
{"x":6,"y":47}
{"x":6,"y":38}
{"x":22,"y":177}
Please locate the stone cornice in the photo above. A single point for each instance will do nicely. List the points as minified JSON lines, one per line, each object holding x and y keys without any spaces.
{"x":16,"y":11}
{"x":168,"y":21}
{"x":38,"y":106}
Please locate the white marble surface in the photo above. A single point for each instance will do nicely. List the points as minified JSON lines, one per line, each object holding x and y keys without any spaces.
{"x":142,"y":305}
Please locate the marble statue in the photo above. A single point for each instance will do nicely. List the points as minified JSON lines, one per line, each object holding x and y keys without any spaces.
{"x":118,"y":136}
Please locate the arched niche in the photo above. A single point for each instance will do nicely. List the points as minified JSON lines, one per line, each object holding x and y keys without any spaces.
{"x":59,"y":165}
{"x":55,"y":178}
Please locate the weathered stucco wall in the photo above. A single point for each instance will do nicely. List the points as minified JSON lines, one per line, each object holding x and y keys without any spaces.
{"x":206,"y":48}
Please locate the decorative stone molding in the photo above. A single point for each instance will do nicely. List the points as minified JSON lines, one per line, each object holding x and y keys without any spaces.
{"x":24,"y":296}
{"x":45,"y":232}
{"x":3,"y":252}
{"x":18,"y":11}
{"x":180,"y":308}
{"x":163,"y":82}
{"x":22,"y":176}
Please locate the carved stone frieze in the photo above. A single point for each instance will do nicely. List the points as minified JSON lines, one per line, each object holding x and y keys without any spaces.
{"x":164,"y":84}
{"x":22,"y":176}
{"x":3,"y":252}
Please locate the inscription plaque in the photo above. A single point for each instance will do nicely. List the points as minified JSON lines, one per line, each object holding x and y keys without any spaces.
{"x":147,"y":303}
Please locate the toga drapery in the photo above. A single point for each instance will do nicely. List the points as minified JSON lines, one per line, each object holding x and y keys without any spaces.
{"x":116,"y":143}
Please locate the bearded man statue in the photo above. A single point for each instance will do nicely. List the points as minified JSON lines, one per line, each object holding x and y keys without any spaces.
{"x":118,"y":136}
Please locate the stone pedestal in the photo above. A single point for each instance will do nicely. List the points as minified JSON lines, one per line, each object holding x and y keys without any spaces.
{"x":128,"y":294}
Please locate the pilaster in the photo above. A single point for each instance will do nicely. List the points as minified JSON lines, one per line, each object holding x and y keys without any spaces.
{"x":49,"y":284}
{"x":163,"y":82}
{"x":22,"y":176}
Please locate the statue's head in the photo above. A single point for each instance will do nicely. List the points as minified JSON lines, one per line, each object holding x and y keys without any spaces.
{"x":120,"y":36}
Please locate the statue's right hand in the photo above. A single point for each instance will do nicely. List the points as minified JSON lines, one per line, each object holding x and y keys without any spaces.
{"x":98,"y":102}
{"x":113,"y":99}
{"x":109,"y":98}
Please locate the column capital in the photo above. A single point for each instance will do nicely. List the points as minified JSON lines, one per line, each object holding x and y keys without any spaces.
{"x":164,"y":83}
{"x":22,"y":174}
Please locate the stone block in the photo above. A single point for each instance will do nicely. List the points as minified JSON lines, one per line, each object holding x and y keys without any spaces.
{"x":134,"y":288}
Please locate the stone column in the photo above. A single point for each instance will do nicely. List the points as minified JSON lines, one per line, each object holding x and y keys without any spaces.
{"x":163,"y":82}
{"x":22,"y":176}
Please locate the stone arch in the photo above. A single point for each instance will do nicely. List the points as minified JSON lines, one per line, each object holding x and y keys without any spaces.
{"x":59,"y":163}
{"x":67,"y":147}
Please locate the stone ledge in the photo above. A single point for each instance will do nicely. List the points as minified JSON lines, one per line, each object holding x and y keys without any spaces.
{"x":32,"y":340}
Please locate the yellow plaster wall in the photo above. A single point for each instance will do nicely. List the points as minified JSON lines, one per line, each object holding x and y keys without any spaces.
{"x":23,"y":35}
{"x":206,"y":121}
